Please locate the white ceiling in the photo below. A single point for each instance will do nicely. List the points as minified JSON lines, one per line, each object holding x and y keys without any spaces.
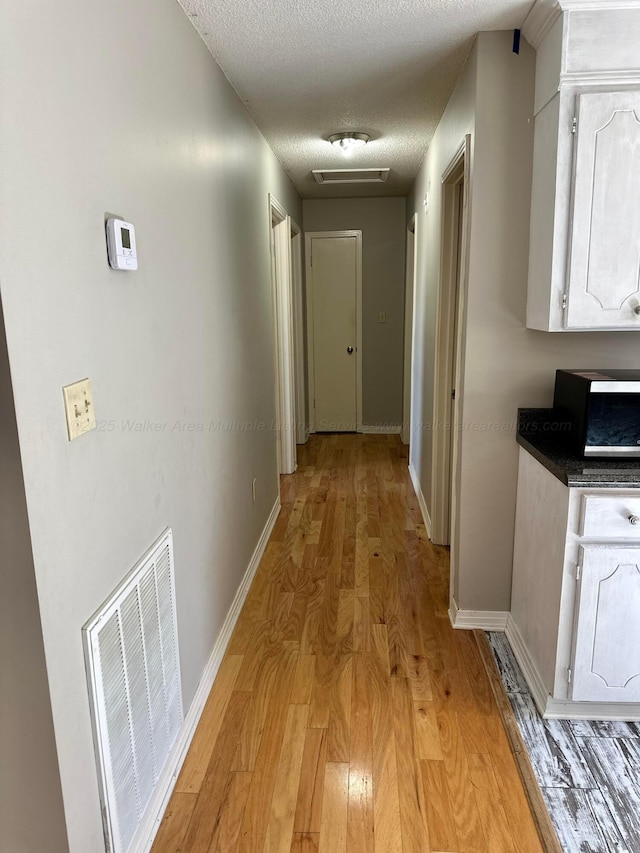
{"x":384,"y":67}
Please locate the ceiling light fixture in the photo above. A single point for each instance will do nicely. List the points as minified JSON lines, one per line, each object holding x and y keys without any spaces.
{"x":348,"y":141}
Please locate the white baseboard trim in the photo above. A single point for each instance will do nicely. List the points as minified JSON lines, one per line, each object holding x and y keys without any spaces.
{"x":146,"y":833}
{"x":484,"y":620}
{"x":556,"y":709}
{"x":561,"y":709}
{"x":381,"y":429}
{"x":528,"y":666}
{"x":421,"y":501}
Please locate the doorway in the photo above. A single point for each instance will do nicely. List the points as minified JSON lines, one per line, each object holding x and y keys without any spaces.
{"x":282,"y":299}
{"x":301,"y":428}
{"x":409,"y":291}
{"x":334,"y":330}
{"x":448,"y":392}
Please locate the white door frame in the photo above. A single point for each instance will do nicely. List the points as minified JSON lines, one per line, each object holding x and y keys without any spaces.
{"x":309,"y":236}
{"x":409,"y":315}
{"x":280,"y":230}
{"x":449,"y":353}
{"x":301,"y":431}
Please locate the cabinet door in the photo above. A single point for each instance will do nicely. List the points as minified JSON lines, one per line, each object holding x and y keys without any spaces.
{"x":603,"y":289}
{"x":606,"y":658}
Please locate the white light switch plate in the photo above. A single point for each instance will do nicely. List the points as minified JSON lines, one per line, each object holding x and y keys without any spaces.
{"x":78,"y":403}
{"x":382,"y":317}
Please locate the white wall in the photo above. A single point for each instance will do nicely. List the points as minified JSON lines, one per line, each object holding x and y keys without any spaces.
{"x":118,"y":107}
{"x":382,"y":222}
{"x":506,"y":365}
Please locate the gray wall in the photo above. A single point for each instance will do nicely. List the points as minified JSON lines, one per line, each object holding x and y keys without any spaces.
{"x":31,"y":813}
{"x":382,"y":222}
{"x":457,"y":121}
{"x":505,"y":365}
{"x":119,"y":107}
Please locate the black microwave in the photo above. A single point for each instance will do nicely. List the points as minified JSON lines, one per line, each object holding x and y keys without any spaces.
{"x":601,"y":410}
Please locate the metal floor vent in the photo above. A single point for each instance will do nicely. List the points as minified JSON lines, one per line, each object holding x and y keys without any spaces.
{"x":131,"y":655}
{"x":351,"y":176}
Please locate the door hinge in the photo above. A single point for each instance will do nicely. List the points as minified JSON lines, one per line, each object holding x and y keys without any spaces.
{"x":453,"y":393}
{"x":569,"y":675}
{"x":564,"y":301}
{"x":574,"y":125}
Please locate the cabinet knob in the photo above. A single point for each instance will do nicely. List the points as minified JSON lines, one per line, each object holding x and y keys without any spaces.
{"x":636,"y":310}
{"x":634,"y":519}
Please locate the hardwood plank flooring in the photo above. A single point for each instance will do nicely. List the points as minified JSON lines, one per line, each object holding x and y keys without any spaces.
{"x":347,"y":715}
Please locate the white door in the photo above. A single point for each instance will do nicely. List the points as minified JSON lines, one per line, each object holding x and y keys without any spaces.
{"x":606,"y":660}
{"x":604,"y":265}
{"x":281,"y":289}
{"x":333,"y":293}
{"x":456,"y":284}
{"x":408,"y":330}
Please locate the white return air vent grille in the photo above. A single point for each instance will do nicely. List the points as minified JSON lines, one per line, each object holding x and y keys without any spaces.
{"x":351,"y":176}
{"x":131,"y":654}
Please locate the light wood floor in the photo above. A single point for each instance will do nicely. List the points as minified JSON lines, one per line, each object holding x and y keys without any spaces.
{"x":347,"y":715}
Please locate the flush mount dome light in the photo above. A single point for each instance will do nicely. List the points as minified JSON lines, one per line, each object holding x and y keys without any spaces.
{"x":348,"y":141}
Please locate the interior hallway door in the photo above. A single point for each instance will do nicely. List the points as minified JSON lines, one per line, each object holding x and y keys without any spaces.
{"x":333,"y":284}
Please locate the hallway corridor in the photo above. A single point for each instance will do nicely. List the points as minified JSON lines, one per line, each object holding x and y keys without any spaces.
{"x":347,"y":714}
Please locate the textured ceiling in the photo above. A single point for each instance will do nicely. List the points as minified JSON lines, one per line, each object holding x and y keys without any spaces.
{"x":384,"y":67}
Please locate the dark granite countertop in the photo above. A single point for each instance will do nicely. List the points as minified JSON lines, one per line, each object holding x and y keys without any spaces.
{"x":541,"y":434}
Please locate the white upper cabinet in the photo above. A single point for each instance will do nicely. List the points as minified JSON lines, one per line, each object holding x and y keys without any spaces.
{"x":584,"y":256}
{"x":603,"y":283}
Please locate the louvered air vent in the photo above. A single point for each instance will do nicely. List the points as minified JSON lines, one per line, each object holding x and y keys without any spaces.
{"x":351,"y":176}
{"x":131,"y":653}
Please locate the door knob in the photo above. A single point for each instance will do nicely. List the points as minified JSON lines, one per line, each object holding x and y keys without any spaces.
{"x":633,"y":519}
{"x":349,"y":350}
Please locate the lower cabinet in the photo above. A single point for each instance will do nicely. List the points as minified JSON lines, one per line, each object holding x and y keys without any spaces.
{"x":575,"y":608}
{"x":606,"y":656}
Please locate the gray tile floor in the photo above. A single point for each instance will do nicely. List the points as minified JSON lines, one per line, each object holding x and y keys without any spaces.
{"x":589,"y":772}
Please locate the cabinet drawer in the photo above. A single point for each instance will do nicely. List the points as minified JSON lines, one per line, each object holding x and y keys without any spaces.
{"x":610,"y":517}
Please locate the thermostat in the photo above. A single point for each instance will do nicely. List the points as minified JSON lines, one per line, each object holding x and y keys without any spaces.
{"x":121,"y":245}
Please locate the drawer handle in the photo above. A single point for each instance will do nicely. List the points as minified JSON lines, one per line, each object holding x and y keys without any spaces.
{"x":634,"y":519}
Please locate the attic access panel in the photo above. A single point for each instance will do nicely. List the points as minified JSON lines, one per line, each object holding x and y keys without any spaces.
{"x":351,"y":176}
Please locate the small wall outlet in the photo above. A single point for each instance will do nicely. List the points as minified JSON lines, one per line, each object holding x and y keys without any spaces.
{"x":78,"y":403}
{"x":253,"y":489}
